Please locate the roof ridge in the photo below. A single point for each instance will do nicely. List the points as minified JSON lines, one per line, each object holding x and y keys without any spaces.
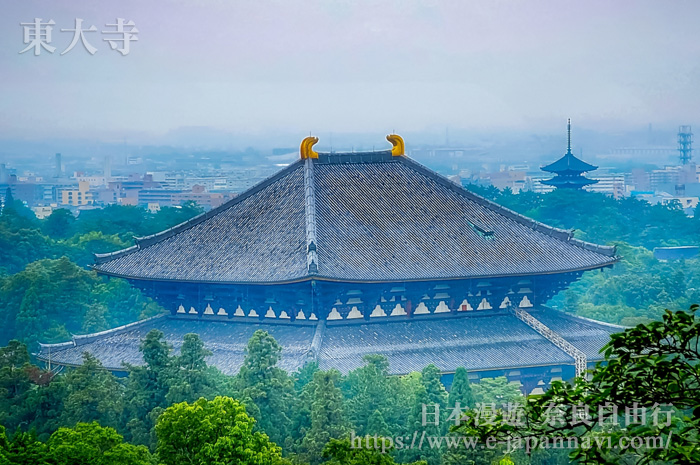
{"x":151,"y":239}
{"x":557,"y":233}
{"x":310,"y":214}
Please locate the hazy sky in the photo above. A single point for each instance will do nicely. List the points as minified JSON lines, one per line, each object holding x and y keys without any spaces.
{"x":351,"y":66}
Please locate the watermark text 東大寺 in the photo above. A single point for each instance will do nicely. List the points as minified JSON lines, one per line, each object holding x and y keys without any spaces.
{"x":38,"y":35}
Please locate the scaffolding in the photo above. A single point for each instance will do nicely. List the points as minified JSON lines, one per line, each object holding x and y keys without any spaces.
{"x":685,"y":144}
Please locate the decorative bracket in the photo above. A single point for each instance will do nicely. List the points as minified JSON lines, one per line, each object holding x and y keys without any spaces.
{"x":306,"y":150}
{"x":397,"y":141}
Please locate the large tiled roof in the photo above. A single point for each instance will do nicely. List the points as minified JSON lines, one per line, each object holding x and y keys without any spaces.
{"x":477,"y":341}
{"x":354,"y":217}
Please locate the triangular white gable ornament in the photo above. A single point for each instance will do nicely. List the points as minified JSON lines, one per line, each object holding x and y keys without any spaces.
{"x":334,"y":315}
{"x":378,"y":312}
{"x":442,"y":308}
{"x":354,"y":314}
{"x":398,"y":311}
{"x":422,"y":309}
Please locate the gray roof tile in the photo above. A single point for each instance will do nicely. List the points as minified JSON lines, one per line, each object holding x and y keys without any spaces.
{"x":479,"y":341}
{"x":377,"y":217}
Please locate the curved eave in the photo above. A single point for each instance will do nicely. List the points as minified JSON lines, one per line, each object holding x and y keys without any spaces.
{"x":77,"y":365}
{"x":558,"y":182}
{"x":577,"y":170}
{"x":125,"y":369}
{"x":569,"y":162}
{"x":612,"y":261}
{"x":568,"y":171}
{"x":80,"y":339}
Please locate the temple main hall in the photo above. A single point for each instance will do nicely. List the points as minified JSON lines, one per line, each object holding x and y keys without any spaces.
{"x":340,"y":255}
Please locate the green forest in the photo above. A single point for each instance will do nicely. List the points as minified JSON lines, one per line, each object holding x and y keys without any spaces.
{"x":176,"y":409}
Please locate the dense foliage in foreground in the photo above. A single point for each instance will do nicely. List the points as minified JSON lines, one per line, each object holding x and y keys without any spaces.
{"x":157,"y":403}
{"x":171,"y":410}
{"x":650,"y":370}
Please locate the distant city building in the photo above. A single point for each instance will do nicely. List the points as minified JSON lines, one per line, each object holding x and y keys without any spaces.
{"x":107,"y":169}
{"x":510,"y":179}
{"x":635,"y":153}
{"x":43,"y":212}
{"x":609,"y":184}
{"x":29,"y":192}
{"x":671,"y":178}
{"x":77,"y":197}
{"x":676,"y":253}
{"x":569,"y":169}
{"x":172,"y":198}
{"x":92,"y":180}
{"x":659,"y":179}
{"x":105,"y":196}
{"x":685,"y":202}
{"x":534,"y":183}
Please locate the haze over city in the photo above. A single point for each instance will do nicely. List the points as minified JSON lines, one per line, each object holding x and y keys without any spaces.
{"x":264,"y":74}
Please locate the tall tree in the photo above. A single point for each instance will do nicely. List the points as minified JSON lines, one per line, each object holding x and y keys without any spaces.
{"x":370,"y":389}
{"x":15,"y":381}
{"x":498,"y":391}
{"x":430,"y":379}
{"x":300,"y":415}
{"x":147,"y":386}
{"x":266,"y":389}
{"x":428,"y":414}
{"x":377,"y":425}
{"x":327,"y":415}
{"x":190,"y":378}
{"x":24,"y":448}
{"x":92,"y":394}
{"x":460,"y":391}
